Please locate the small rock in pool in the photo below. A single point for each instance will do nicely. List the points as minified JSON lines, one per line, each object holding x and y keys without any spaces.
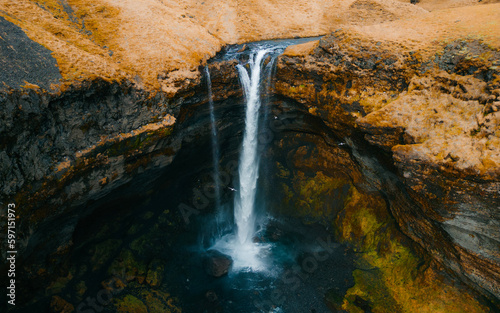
{"x":217,"y":263}
{"x":211,"y":296}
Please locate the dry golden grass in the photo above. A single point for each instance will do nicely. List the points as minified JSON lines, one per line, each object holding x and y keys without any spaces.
{"x":144,"y":40}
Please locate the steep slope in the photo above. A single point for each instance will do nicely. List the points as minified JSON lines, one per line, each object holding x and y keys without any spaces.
{"x":429,"y":97}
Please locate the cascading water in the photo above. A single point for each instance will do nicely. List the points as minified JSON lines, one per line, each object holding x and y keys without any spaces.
{"x":215,"y":142}
{"x":250,"y":256}
{"x":245,"y":253}
{"x":248,"y":170}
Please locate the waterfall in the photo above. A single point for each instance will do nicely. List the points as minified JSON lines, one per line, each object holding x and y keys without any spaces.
{"x":248,"y":255}
{"x":269,"y":83}
{"x":215,"y":142}
{"x":248,"y":169}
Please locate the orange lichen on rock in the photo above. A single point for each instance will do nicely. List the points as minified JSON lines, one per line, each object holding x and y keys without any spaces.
{"x":302,"y":49}
{"x":444,"y":127}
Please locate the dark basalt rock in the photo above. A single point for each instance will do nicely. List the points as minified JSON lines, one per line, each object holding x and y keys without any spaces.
{"x":23,"y":60}
{"x":216,"y":263}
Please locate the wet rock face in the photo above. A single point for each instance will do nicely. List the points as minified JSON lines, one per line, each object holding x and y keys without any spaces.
{"x":58,"y":152}
{"x":99,"y":143}
{"x":65,"y":127}
{"x":437,"y":122}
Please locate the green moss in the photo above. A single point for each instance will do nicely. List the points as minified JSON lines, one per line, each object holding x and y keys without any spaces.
{"x":126,"y":265}
{"x":360,"y":220}
{"x":165,"y":219}
{"x":57,"y":286}
{"x":155,"y":273}
{"x":158,"y":301}
{"x":389,"y":275}
{"x":143,"y":299}
{"x":130,"y":304}
{"x":310,"y":196}
{"x":80,"y":288}
{"x":148,"y":215}
{"x":370,"y":287}
{"x":139,"y":244}
{"x":134,"y":229}
{"x":103,"y":252}
{"x":143,"y":245}
{"x":282,"y":171}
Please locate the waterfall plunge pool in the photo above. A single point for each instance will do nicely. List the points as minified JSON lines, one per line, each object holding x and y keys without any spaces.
{"x":148,"y":251}
{"x":279,"y":265}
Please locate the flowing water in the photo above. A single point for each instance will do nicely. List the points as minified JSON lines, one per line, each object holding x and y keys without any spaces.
{"x":249,"y":162}
{"x":239,"y":245}
{"x":215,"y":142}
{"x":278,"y":265}
{"x":247,"y":254}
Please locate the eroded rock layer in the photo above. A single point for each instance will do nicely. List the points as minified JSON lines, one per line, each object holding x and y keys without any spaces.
{"x":435,"y":111}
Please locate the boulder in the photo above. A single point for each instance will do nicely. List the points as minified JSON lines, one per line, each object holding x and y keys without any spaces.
{"x":217,"y":263}
{"x":59,"y":305}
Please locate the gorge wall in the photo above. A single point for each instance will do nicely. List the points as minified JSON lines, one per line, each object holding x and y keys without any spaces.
{"x":437,"y":118}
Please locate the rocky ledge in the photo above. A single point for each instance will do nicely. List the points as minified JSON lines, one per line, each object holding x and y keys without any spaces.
{"x":433,"y":106}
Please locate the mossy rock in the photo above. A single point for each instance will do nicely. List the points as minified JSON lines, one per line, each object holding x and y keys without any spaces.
{"x":165,"y":219}
{"x":130,"y":304}
{"x":146,"y":245}
{"x":59,"y":305}
{"x":80,"y":288}
{"x":134,"y":229}
{"x":390,"y":276}
{"x":155,"y":273}
{"x":57,"y":286}
{"x":142,"y":299}
{"x":360,"y":219}
{"x":103,"y":252}
{"x":158,"y":301}
{"x":148,"y":215}
{"x":127,"y":266}
{"x":309,"y":197}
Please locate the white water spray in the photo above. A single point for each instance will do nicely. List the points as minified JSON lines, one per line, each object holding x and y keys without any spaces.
{"x":244,"y":201}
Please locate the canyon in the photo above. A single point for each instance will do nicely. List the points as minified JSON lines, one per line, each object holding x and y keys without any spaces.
{"x":384,"y":130}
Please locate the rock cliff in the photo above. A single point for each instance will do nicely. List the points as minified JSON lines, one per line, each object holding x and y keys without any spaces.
{"x":101,"y":96}
{"x":93,"y":85}
{"x":429,"y":102}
